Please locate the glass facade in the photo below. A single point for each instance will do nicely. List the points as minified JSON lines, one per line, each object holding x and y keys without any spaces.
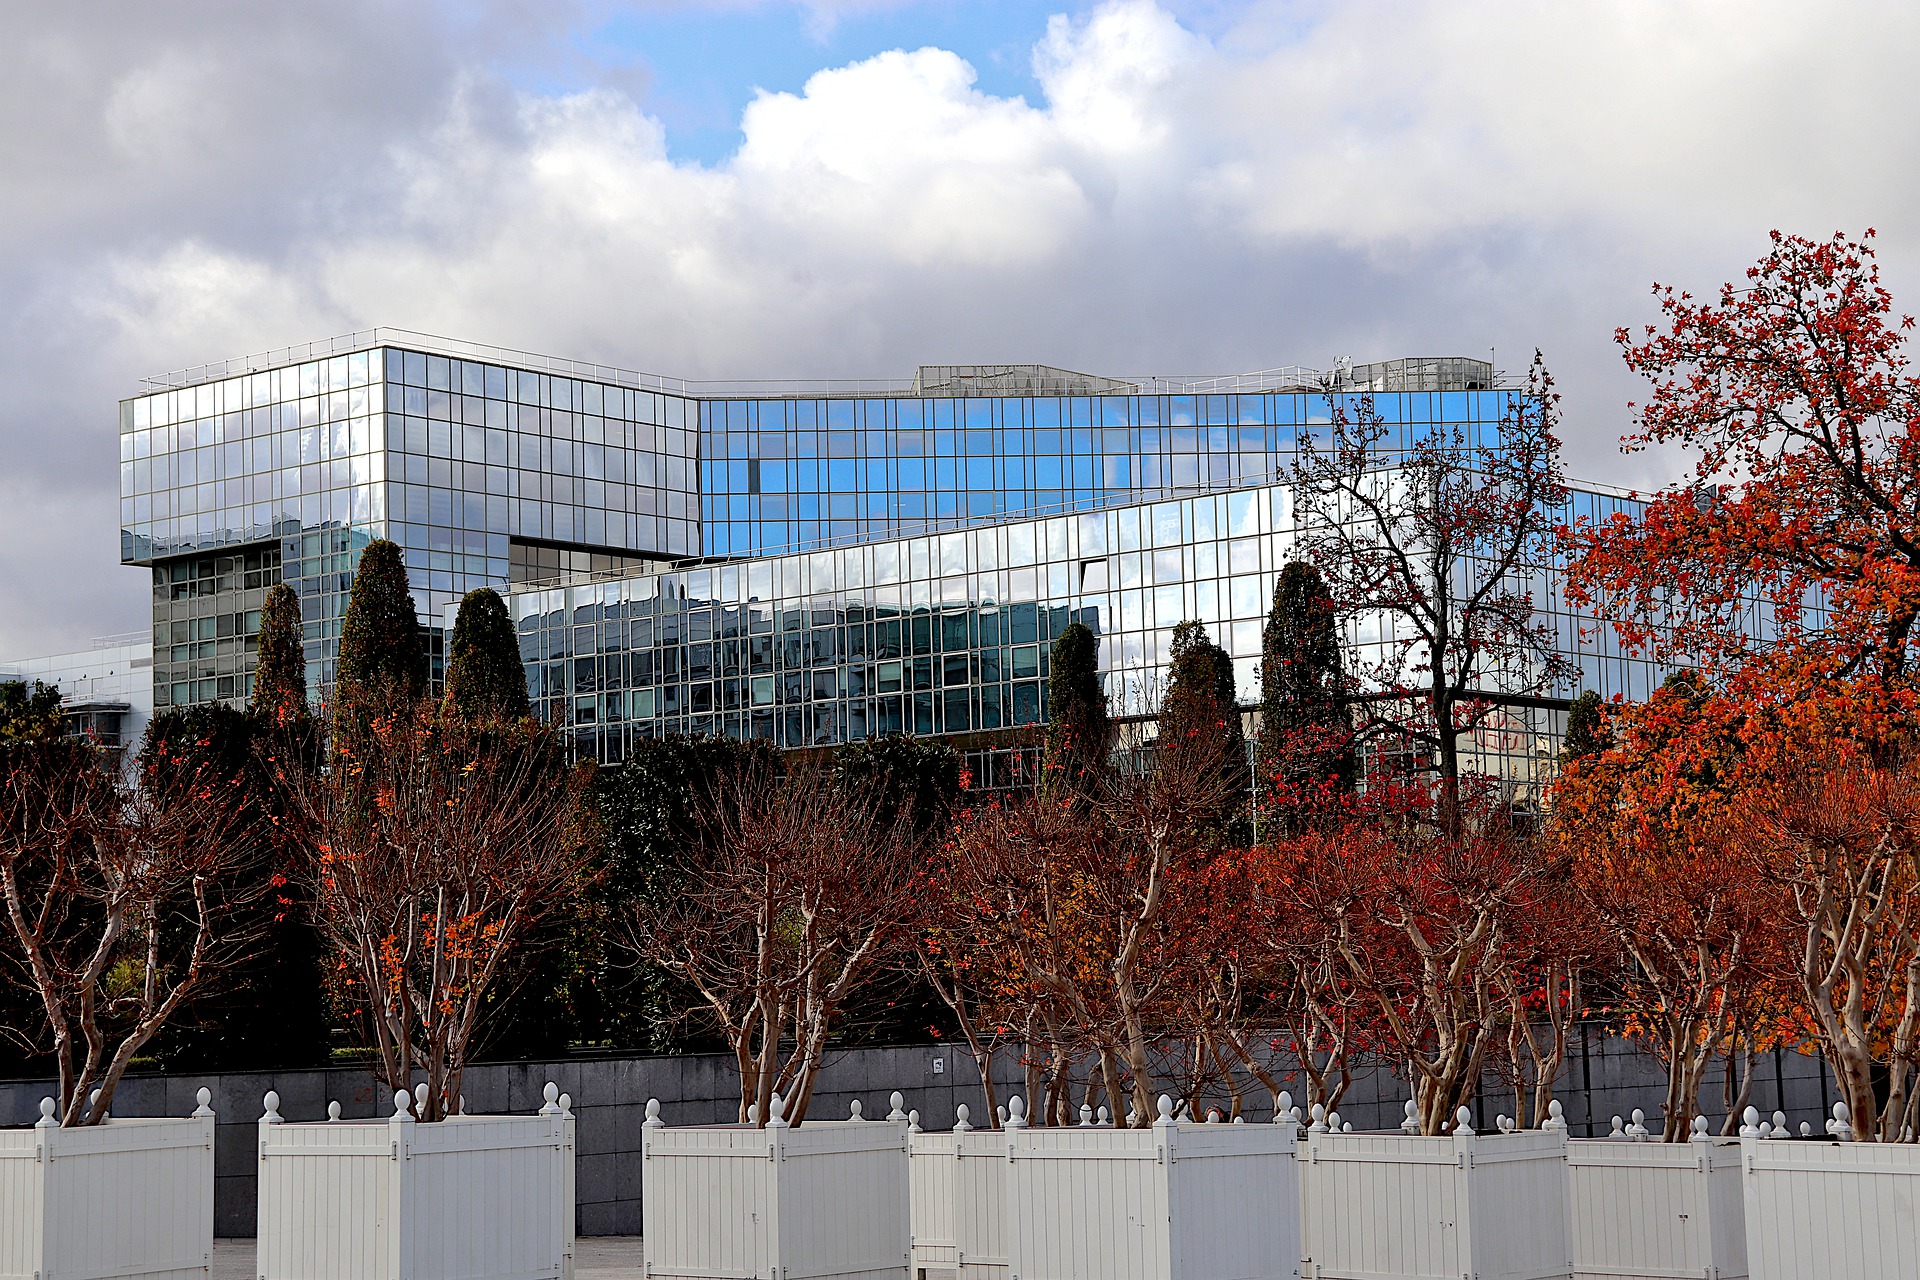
{"x":292,"y":470}
{"x":789,"y":474}
{"x":948,"y":633}
{"x":810,"y":568}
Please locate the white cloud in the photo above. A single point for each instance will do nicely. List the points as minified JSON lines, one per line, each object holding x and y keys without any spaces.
{"x":1364,"y":178}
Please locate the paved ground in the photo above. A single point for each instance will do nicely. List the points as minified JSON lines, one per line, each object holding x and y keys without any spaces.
{"x":594,"y":1258}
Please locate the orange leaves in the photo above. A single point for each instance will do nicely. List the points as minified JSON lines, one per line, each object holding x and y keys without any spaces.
{"x":1799,"y":532}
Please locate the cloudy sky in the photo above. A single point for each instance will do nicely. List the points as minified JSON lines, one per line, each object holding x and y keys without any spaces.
{"x":852,"y":187}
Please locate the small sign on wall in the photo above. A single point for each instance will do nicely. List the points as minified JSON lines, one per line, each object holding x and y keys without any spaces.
{"x":939,"y":1065}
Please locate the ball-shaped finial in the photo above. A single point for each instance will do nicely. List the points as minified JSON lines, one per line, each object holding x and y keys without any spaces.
{"x":1016,"y":1112}
{"x":960,"y":1114}
{"x":271,"y":1105}
{"x":1086,"y":1116}
{"x":777,"y":1113}
{"x":46,"y":1120}
{"x":1283,"y":1103}
{"x":203,"y":1102}
{"x":333,"y":1113}
{"x":1699,"y":1126}
{"x":913,"y":1121}
{"x":896,"y":1101}
{"x":653,"y":1120}
{"x":565,"y":1104}
{"x":551,"y":1092}
{"x":853,"y":1110}
{"x":1463,"y":1122}
{"x":400,"y":1097}
{"x":1166,"y":1111}
{"x":1103,"y":1118}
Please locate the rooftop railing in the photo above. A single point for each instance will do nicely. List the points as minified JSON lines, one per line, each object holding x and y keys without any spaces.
{"x":1287,"y":378}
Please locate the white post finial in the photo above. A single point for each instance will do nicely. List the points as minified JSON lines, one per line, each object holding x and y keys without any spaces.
{"x":203,"y":1096}
{"x":1103,"y":1119}
{"x":960,"y":1114}
{"x":1842,"y":1127}
{"x":1166,"y":1119}
{"x":272,"y":1104}
{"x":1750,"y":1123}
{"x":333,"y":1113}
{"x":1463,"y":1122}
{"x":460,"y":1105}
{"x":1556,"y":1117}
{"x":777,"y":1113}
{"x":1638,"y":1129}
{"x":1780,"y":1124}
{"x":1503,"y":1122}
{"x":753,"y":1113}
{"x":1086,"y":1116}
{"x":853,"y":1111}
{"x":46,"y":1120}
{"x":1282,"y":1104}
{"x":400,"y":1111}
{"x":1700,"y":1129}
{"x":913,"y":1121}
{"x":566,"y":1106}
{"x":552,"y":1095}
{"x":420,"y":1100}
{"x":1001,"y":1111}
{"x":1333,"y":1121}
{"x":897,"y":1101}
{"x":653,"y":1120}
{"x":1319,"y":1114}
{"x":1016,"y":1112}
{"x":1806,"y":1129}
{"x":1410,"y":1123}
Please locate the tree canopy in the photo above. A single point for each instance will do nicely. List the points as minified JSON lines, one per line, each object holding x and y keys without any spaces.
{"x":383,"y":651}
{"x":484,"y":674}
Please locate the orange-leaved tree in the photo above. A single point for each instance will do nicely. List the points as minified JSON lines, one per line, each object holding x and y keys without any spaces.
{"x":1646,"y":823}
{"x":1799,"y":527}
{"x":442,"y":845}
{"x":1838,"y":831}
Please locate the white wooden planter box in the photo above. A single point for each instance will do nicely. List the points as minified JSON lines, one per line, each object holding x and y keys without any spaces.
{"x":467,"y":1198}
{"x":122,"y":1198}
{"x":734,"y":1202}
{"x":958,"y":1185}
{"x":1657,"y":1209}
{"x":1174,"y":1202}
{"x":1832,"y":1210}
{"x":1377,"y":1206}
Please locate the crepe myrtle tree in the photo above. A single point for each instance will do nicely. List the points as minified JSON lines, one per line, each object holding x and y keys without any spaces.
{"x":124,"y":899}
{"x":442,"y":845}
{"x":791,"y":895}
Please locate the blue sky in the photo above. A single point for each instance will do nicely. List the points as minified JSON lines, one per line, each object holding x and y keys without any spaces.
{"x":695,"y":69}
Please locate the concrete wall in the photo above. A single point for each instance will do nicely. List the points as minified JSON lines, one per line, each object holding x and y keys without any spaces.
{"x":1604,"y":1077}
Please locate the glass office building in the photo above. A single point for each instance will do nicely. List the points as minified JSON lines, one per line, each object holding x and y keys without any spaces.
{"x":486,"y":470}
{"x":812,"y":564}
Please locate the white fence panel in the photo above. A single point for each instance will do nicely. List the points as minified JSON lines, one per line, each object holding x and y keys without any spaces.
{"x":470,"y":1196}
{"x":959,"y":1202}
{"x":1174,"y":1202}
{"x":1835,"y":1210}
{"x":1657,"y":1209}
{"x":1384,"y":1206}
{"x":827,"y":1200}
{"x":129,"y":1198}
{"x":932,"y":1172}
